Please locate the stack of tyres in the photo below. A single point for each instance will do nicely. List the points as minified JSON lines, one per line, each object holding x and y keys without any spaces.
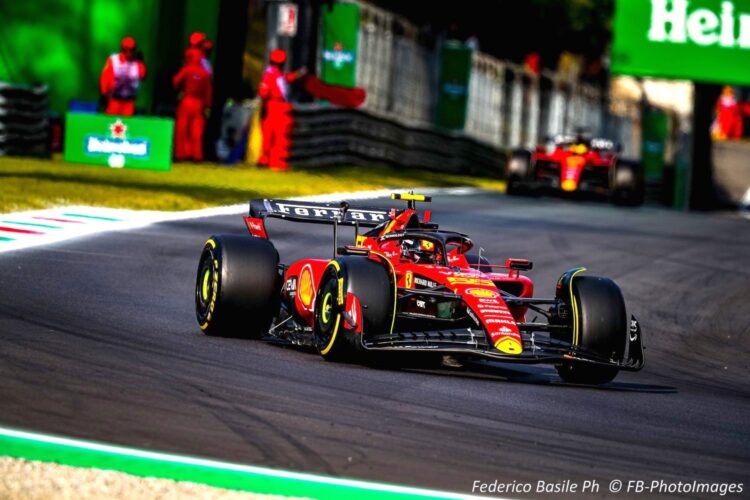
{"x":24,"y":120}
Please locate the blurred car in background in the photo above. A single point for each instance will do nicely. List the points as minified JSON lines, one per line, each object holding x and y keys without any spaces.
{"x":576,"y":164}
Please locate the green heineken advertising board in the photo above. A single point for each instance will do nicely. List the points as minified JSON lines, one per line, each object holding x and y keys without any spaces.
{"x":119,"y":142}
{"x":702,"y":40}
{"x":340,"y":39}
{"x":453,"y":93}
{"x":654,"y":126}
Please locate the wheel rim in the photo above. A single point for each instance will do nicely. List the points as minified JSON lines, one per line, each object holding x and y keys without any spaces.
{"x":325,"y":313}
{"x":204,"y":286}
{"x":325,"y":316}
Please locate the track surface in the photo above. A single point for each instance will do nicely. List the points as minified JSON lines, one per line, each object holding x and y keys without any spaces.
{"x":98,"y":340}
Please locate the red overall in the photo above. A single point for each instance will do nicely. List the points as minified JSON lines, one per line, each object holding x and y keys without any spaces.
{"x":119,"y":82}
{"x":729,"y":117}
{"x":277,"y":118}
{"x":195,"y":83}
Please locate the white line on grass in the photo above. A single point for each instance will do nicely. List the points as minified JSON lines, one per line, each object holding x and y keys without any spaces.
{"x":132,"y":219}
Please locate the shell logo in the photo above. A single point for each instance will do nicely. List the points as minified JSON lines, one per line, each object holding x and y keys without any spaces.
{"x":306,"y":290}
{"x":569,"y":185}
{"x":481,"y":292}
{"x":509,"y":345}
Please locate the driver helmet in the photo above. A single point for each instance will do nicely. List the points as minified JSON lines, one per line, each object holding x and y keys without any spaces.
{"x":419,"y":251}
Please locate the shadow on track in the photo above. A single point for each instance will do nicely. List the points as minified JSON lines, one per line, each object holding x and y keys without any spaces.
{"x":538,"y":377}
{"x":447,"y":366}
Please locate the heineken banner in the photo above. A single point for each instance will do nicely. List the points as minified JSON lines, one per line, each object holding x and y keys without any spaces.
{"x":453,"y":94}
{"x":339,"y":49}
{"x":119,"y":142}
{"x":655,"y":128}
{"x":702,"y":40}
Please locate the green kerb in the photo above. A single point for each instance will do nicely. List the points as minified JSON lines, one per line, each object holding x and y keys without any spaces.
{"x":143,"y":463}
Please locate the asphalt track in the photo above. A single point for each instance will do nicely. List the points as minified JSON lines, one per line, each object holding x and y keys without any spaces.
{"x":98,"y":340}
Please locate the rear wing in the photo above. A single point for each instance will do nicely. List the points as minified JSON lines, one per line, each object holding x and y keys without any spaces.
{"x":320,"y":213}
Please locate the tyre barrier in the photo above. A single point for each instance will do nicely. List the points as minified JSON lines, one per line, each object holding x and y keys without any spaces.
{"x":24,"y":120}
{"x":325,"y":135}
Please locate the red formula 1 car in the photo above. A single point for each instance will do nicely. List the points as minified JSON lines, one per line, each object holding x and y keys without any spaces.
{"x":576,"y":164}
{"x":407,"y":286}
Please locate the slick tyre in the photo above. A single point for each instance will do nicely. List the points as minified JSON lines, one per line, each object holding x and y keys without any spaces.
{"x":372,"y":311}
{"x":237,"y":286}
{"x":602,"y":329}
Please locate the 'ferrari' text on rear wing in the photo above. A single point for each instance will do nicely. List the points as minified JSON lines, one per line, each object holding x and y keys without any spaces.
{"x":322,"y":213}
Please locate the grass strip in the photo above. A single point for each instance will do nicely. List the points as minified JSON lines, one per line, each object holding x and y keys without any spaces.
{"x":36,"y":184}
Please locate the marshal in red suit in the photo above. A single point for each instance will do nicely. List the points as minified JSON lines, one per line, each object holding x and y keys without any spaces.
{"x":120,"y":78}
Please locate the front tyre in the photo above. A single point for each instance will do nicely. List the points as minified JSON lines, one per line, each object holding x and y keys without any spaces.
{"x":355,"y":289}
{"x":518,"y":173}
{"x":600,"y":327}
{"x":237,"y":286}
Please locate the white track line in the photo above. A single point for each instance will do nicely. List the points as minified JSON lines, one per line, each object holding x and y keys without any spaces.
{"x":215,"y":464}
{"x":131,"y":219}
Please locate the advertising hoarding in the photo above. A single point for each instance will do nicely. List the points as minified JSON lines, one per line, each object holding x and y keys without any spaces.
{"x":340,"y":40}
{"x":119,"y":142}
{"x":700,"y":40}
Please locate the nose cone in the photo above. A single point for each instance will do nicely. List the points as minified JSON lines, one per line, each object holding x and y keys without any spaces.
{"x":568,"y":185}
{"x":509,"y":345}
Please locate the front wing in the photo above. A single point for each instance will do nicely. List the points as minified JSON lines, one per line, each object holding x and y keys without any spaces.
{"x":536,"y":349}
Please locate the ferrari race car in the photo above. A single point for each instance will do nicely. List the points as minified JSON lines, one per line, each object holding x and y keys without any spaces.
{"x":576,"y":164}
{"x":406,"y":286}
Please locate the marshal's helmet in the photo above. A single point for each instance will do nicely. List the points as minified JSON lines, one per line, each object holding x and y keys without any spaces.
{"x":277,"y":56}
{"x":196,"y":39}
{"x":128,"y":43}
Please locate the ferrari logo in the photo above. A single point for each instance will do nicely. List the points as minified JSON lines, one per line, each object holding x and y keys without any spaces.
{"x":408,"y":279}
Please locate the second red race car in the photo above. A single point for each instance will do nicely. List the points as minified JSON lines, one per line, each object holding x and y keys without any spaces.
{"x":575,"y":165}
{"x":406,"y":286}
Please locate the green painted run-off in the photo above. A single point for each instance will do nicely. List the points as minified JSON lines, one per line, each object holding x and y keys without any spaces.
{"x":77,"y":453}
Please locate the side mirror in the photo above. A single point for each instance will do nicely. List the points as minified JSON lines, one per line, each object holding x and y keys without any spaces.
{"x":519,"y":264}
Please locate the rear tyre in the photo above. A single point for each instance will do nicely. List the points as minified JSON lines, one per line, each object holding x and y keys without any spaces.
{"x":371,"y":284}
{"x":237,"y":286}
{"x":602,"y":330}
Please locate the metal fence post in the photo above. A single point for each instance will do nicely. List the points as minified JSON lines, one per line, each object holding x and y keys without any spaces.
{"x":516,"y":108}
{"x":532,"y":135}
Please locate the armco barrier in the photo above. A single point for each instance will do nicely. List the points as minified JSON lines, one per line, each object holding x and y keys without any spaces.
{"x":329,"y":135}
{"x":24,"y":120}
